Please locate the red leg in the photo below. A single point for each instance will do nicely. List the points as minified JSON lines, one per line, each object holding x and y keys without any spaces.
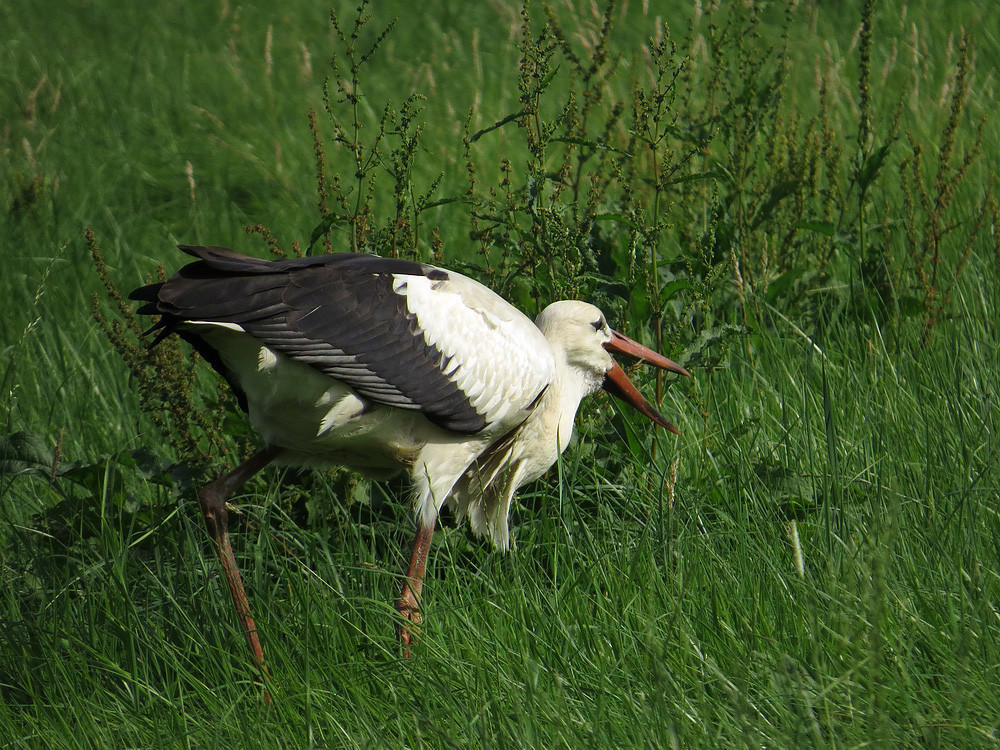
{"x":409,"y":600}
{"x":213,"y":497}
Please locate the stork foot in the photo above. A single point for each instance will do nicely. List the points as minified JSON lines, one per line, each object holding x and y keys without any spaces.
{"x":408,"y":630}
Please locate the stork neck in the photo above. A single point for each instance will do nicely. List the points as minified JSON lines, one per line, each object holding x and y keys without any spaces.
{"x":568,"y":388}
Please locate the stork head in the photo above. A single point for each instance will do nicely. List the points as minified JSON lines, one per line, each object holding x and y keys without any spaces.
{"x":581,"y":332}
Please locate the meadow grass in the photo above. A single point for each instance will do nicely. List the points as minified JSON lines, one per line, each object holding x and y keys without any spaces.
{"x":812,"y":563}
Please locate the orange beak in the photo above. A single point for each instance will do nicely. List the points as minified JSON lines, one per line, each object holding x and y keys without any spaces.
{"x":618,"y":385}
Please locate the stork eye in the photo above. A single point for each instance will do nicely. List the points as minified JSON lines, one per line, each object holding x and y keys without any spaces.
{"x":598,"y":324}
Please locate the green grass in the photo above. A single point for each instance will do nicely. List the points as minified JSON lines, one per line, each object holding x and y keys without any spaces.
{"x":638,"y":609}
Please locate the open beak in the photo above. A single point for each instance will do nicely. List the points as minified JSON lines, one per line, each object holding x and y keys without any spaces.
{"x":618,"y":385}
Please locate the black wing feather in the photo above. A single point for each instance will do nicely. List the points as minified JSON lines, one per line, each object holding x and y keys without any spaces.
{"x":337,"y":313}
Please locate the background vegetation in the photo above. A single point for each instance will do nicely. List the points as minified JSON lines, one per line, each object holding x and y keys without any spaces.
{"x":796,"y":201}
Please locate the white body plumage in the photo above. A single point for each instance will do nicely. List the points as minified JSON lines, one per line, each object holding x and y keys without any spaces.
{"x":526,"y":379}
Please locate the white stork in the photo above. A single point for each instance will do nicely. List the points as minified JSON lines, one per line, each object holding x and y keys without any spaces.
{"x":384,"y":365}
